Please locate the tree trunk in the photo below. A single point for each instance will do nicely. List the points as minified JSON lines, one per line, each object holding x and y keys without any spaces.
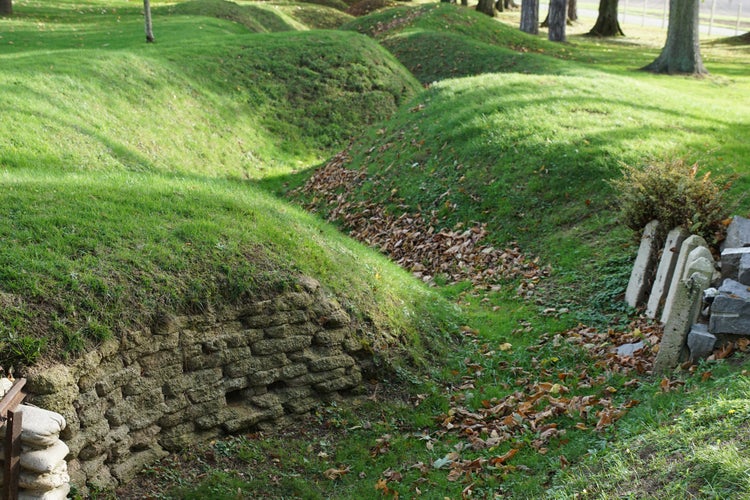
{"x":486,"y":7}
{"x":572,"y":10}
{"x":545,"y":23}
{"x":607,"y":23}
{"x":557,"y":20}
{"x":682,"y":51}
{"x":464,"y":3}
{"x":530,"y":16}
{"x":147,"y":16}
{"x":6,"y":7}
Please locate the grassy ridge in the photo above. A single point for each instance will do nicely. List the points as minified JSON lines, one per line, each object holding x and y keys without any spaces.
{"x":115,"y":166}
{"x":122,"y":196}
{"x":438,"y":41}
{"x":530,"y":154}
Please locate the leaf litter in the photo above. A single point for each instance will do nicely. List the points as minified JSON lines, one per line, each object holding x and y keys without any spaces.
{"x":416,"y":240}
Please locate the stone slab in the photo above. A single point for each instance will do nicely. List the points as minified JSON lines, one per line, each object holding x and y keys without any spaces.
{"x":730,"y":310}
{"x":700,"y":342}
{"x":687,"y":298}
{"x":643,"y":266}
{"x":743,"y":274}
{"x":665,"y":271}
{"x":731,"y":261}
{"x":738,"y":233}
{"x":628,"y":349}
{"x":690,"y":244}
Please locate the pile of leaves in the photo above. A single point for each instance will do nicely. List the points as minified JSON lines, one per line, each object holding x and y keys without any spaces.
{"x":415,"y":240}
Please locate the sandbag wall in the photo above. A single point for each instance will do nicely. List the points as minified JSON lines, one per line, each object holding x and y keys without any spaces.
{"x":193,"y":378}
{"x":44,"y":471}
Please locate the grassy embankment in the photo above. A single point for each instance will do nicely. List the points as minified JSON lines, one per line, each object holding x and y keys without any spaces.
{"x":126,"y":171}
{"x":526,"y":149}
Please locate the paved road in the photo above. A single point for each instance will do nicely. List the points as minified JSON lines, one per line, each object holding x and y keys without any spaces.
{"x":725,"y":14}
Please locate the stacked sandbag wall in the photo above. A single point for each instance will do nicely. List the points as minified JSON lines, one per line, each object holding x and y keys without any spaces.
{"x":44,"y":471}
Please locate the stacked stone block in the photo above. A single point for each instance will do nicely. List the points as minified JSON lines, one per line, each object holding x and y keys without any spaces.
{"x":688,"y":294}
{"x":193,"y":378}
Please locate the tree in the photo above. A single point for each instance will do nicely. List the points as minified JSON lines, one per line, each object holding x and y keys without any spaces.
{"x":501,"y":5}
{"x":572,"y":14}
{"x":486,"y":7}
{"x":572,"y":10}
{"x":557,"y":20}
{"x":6,"y":7}
{"x":147,"y":16}
{"x":530,"y":16}
{"x":681,"y":52}
{"x":607,"y":23}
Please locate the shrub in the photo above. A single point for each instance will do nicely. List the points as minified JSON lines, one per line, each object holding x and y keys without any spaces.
{"x":672,"y":193}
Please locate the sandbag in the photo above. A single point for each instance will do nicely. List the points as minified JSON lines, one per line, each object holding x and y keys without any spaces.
{"x":41,"y":482}
{"x":5,"y":385}
{"x":45,"y":460}
{"x":41,"y":428}
{"x":60,"y":493}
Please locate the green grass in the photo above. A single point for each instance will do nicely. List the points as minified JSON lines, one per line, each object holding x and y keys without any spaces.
{"x":700,"y":453}
{"x":530,"y":154}
{"x":138,"y":179}
{"x":125,"y":171}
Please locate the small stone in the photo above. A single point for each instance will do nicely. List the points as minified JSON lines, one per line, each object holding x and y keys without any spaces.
{"x":700,"y":342}
{"x":629,"y":349}
{"x":743,"y":274}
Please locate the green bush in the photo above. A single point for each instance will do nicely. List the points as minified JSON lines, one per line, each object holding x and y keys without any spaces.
{"x":672,"y":193}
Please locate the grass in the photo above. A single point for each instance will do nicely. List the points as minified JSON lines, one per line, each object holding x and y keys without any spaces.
{"x":699,"y":454}
{"x":138,"y":178}
{"x":126,"y":175}
{"x":530,"y":153}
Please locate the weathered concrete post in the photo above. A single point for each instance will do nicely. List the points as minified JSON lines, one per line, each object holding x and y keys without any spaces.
{"x":643,"y":267}
{"x":687,"y":300}
{"x":690,"y":244}
{"x":665,"y":270}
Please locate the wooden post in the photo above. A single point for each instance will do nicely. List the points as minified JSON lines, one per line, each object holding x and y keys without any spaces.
{"x":12,"y":443}
{"x":12,"y":467}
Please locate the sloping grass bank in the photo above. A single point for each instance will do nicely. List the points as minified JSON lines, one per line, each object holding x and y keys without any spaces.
{"x":124,"y":169}
{"x":529,"y":155}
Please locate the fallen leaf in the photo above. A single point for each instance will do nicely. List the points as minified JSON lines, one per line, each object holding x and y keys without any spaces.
{"x":334,"y":474}
{"x":725,"y":351}
{"x":664,"y":385}
{"x":504,"y":458}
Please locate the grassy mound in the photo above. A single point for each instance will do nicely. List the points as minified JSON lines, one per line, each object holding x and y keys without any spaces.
{"x":439,"y":41}
{"x":117,"y":203}
{"x":266,"y":17}
{"x":528,"y":155}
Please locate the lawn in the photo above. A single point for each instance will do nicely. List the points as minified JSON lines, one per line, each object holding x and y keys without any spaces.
{"x":142,"y":177}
